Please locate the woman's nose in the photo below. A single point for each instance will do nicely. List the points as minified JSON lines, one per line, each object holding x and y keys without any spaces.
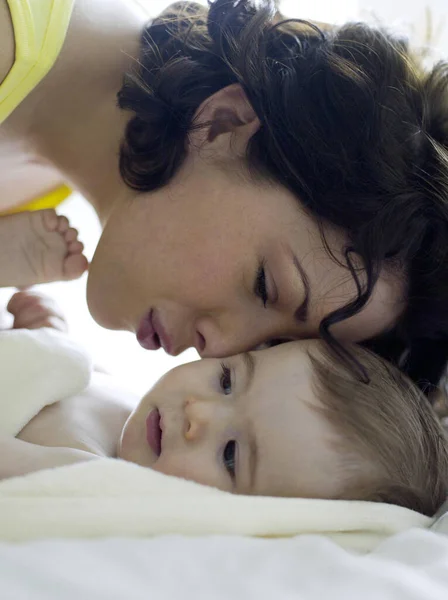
{"x":218,"y":340}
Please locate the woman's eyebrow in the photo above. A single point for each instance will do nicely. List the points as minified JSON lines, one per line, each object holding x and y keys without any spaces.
{"x":301,"y":313}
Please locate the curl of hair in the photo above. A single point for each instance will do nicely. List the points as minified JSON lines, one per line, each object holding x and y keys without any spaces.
{"x":349,"y":124}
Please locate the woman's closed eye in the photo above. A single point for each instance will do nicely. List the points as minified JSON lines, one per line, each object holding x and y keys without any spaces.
{"x":260,"y":287}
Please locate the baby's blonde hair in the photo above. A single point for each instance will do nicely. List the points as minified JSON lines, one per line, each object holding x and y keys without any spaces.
{"x":393,"y":448}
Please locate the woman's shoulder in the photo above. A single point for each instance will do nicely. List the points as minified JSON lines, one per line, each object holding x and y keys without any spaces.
{"x":7,"y":46}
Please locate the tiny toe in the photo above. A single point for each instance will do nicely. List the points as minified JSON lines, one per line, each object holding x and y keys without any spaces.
{"x":63,"y":224}
{"x":75,"y":265}
{"x":71,"y":235}
{"x":75,"y":247}
{"x":50,"y":219}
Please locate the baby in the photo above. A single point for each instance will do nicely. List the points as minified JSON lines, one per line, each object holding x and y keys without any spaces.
{"x":38,"y":247}
{"x":286,"y":421}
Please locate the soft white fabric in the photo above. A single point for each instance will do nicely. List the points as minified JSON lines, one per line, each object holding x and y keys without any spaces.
{"x":37,"y":368}
{"x":108,"y":497}
{"x":412,"y":565}
{"x":440,"y":523}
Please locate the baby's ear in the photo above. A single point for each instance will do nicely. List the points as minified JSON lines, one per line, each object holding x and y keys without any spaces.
{"x":224,"y":123}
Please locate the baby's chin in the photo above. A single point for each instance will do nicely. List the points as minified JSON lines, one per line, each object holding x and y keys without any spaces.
{"x":132,"y":445}
{"x":119,"y":452}
{"x":129,"y":442}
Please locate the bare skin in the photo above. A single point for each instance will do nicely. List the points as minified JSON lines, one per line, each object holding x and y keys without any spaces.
{"x":38,"y":247}
{"x":69,"y":128}
{"x":41,"y":247}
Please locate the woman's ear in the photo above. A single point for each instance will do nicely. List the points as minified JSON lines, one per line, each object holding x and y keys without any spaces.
{"x":224,"y":123}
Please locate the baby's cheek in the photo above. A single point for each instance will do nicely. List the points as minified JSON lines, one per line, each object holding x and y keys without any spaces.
{"x":192,"y":468}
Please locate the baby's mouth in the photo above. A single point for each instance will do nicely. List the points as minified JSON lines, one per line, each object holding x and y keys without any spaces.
{"x":154,"y":432}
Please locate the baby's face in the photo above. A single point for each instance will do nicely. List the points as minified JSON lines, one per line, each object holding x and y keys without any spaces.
{"x":246,"y":424}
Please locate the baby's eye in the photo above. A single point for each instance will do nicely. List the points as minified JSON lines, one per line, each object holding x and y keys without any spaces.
{"x":229,"y":458}
{"x":225,"y":380}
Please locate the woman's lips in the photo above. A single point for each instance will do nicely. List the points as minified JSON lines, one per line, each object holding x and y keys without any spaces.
{"x":146,"y":334}
{"x":154,"y":432}
{"x":151,"y":334}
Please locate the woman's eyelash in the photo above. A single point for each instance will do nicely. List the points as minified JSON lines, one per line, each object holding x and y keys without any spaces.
{"x":229,"y":458}
{"x":260,"y":289}
{"x":225,"y":381}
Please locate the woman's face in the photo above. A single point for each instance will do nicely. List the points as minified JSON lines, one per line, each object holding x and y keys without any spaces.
{"x":221,"y":263}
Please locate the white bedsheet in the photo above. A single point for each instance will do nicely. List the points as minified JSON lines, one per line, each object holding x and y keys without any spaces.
{"x":409,"y":566}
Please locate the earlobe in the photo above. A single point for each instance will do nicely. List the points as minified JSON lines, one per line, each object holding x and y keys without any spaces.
{"x":227,"y":116}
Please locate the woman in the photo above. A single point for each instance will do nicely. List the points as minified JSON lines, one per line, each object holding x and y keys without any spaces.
{"x":282,"y":181}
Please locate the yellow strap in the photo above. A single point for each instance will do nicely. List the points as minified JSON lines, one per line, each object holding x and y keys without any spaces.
{"x":40,"y":27}
{"x":49,"y":200}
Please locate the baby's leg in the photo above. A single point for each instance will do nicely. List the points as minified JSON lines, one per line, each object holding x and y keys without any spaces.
{"x":32,"y":310}
{"x":38,"y":247}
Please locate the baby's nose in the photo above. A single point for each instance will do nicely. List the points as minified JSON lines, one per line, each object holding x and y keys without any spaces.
{"x":196,"y":418}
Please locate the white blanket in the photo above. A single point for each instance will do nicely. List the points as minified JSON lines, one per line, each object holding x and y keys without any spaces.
{"x":412,"y":565}
{"x":37,"y":368}
{"x":108,"y":497}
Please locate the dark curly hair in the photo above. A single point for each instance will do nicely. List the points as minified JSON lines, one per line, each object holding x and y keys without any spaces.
{"x":349,"y":124}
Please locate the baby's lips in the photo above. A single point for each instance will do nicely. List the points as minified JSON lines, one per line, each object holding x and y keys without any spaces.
{"x":154,"y":432}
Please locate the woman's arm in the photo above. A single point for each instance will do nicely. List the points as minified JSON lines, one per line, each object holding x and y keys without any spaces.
{"x":20,"y":458}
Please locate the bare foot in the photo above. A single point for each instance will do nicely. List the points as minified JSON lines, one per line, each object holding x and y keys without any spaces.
{"x":39,"y":247}
{"x":32,"y":310}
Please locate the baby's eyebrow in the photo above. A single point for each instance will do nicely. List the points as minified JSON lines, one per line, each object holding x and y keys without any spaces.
{"x":249,"y":364}
{"x":253,"y":457}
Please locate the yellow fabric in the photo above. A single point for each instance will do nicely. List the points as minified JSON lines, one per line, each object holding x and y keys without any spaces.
{"x":40,"y":27}
{"x":50,"y":200}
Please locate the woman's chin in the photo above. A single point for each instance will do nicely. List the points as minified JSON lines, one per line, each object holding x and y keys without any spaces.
{"x":94,"y":297}
{"x":103,"y":306}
